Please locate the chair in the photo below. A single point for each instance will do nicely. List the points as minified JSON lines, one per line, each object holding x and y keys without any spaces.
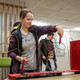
{"x":5,"y":62}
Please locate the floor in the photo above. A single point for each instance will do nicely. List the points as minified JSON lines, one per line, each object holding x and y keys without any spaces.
{"x":64,"y":77}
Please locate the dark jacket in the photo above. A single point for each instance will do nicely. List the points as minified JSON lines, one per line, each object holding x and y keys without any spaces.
{"x":43,"y":48}
{"x":15,"y":44}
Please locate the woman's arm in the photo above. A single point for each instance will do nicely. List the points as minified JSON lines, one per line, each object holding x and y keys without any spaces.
{"x":60,"y":30}
{"x":45,"y":29}
{"x":12,"y":49}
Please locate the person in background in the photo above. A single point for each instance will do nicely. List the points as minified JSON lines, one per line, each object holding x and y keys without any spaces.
{"x":47,"y":46}
{"x":23,"y":43}
{"x":50,"y":65}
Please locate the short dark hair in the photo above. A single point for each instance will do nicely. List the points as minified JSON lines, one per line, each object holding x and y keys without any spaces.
{"x":24,"y":12}
{"x":50,"y":33}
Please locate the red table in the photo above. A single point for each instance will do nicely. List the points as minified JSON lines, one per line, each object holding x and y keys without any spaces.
{"x":32,"y":74}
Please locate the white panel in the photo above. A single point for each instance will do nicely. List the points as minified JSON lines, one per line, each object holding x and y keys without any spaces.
{"x":56,"y":4}
{"x":39,"y":18}
{"x":31,"y":4}
{"x":43,"y":12}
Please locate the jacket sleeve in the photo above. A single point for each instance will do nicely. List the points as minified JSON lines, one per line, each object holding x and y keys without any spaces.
{"x":12,"y":47}
{"x":45,"y":29}
{"x":41,"y":48}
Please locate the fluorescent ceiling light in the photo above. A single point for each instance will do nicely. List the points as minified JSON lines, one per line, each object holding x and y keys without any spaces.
{"x":73,"y":29}
{"x":76,"y":29}
{"x":38,"y":23}
{"x":67,"y":29}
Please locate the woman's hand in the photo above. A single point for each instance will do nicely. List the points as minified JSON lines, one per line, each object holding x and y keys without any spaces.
{"x":24,"y":58}
{"x":60,"y":30}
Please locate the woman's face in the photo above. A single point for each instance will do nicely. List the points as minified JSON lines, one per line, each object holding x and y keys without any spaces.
{"x":27,"y":21}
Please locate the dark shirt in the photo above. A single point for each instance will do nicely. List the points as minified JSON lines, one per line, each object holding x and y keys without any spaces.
{"x":49,"y":45}
{"x":45,"y":47}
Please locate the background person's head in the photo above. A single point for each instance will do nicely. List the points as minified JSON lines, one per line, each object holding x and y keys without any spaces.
{"x":50,"y":35}
{"x":26,"y":18}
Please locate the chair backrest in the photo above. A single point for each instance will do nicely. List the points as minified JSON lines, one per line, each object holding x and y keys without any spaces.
{"x":5,"y":62}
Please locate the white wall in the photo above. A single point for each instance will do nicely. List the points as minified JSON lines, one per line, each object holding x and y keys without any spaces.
{"x":63,"y":62}
{"x":75,"y":35}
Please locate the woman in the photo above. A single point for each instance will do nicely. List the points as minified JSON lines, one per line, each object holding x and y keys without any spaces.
{"x":24,"y":43}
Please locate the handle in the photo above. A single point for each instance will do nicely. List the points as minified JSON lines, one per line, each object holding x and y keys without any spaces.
{"x":59,"y":40}
{"x":22,"y":66}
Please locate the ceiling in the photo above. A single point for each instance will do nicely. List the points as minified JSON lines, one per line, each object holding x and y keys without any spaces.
{"x":65,"y":13}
